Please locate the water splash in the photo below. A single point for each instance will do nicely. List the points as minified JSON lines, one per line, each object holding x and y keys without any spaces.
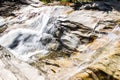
{"x":27,"y":41}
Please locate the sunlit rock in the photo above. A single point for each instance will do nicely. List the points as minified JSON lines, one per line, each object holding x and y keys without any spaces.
{"x":63,"y":44}
{"x":12,"y":69}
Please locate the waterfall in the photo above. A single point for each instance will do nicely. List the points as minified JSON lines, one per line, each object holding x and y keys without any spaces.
{"x":62,"y":43}
{"x":25,"y":42}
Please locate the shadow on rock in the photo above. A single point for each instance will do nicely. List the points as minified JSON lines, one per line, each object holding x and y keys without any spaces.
{"x":105,"y":6}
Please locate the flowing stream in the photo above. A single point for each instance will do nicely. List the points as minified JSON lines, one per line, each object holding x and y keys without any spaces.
{"x":34,"y":37}
{"x":33,"y":31}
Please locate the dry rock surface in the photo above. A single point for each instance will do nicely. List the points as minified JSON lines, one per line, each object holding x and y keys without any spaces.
{"x":59,"y":43}
{"x":13,"y":69}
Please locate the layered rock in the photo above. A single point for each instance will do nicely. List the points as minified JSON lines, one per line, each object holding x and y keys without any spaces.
{"x":105,"y":67}
{"x":13,"y":69}
{"x":64,"y":44}
{"x":96,"y":41}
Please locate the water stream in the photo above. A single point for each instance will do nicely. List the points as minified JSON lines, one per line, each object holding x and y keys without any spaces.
{"x":33,"y":37}
{"x":33,"y":32}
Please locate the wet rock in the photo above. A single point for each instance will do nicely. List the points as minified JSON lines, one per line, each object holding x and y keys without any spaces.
{"x":97,"y":5}
{"x":40,"y":32}
{"x":3,"y":27}
{"x":22,"y":1}
{"x":7,"y":8}
{"x":70,"y":41}
{"x":30,"y":1}
{"x":47,"y":38}
{"x":102,"y":6}
{"x":73,"y":25}
{"x":81,"y":45}
{"x":2,"y":24}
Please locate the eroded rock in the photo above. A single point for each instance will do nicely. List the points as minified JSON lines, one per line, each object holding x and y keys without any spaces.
{"x":105,"y":67}
{"x":63,"y":44}
{"x":12,"y":69}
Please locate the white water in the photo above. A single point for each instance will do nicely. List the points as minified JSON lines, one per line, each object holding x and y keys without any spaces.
{"x":33,"y":35}
{"x":33,"y":39}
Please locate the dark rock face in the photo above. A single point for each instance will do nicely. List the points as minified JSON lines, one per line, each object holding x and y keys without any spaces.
{"x":74,"y":34}
{"x":8,"y":6}
{"x":46,"y":39}
{"x":15,"y":42}
{"x":3,"y":27}
{"x":101,"y":6}
{"x":20,"y":1}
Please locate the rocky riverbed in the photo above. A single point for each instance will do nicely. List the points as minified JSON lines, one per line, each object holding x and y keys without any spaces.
{"x":55,"y":42}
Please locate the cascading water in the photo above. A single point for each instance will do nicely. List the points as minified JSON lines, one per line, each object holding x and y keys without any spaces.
{"x":26,"y":42}
{"x":33,"y":32}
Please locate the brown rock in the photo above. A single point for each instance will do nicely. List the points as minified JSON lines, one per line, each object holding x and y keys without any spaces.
{"x":106,"y":67}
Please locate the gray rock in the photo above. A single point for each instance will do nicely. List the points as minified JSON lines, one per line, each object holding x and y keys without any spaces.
{"x":30,"y":1}
{"x":47,"y":38}
{"x":70,"y":41}
{"x":101,"y":6}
